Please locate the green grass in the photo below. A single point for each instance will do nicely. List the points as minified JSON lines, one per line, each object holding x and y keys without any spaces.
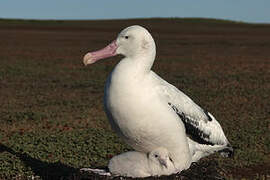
{"x":54,"y":123}
{"x":57,"y":154}
{"x":51,"y":111}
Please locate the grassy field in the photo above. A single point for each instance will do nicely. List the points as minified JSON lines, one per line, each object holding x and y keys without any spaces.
{"x":51,"y":110}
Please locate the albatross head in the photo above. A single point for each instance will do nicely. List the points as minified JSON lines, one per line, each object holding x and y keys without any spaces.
{"x":134,"y":42}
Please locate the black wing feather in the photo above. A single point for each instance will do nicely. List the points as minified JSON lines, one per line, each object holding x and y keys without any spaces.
{"x":192,"y":129}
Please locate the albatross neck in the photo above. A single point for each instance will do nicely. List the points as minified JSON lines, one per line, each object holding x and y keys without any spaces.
{"x":143,"y":60}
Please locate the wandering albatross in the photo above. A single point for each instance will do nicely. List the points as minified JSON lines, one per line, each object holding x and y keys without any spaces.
{"x":148,"y":112}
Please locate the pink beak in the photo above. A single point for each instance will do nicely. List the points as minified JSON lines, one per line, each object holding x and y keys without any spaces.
{"x":106,"y":52}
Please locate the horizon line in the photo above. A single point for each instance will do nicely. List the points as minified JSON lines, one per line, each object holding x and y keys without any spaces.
{"x":135,"y":18}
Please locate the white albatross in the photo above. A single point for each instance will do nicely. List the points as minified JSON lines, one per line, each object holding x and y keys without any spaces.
{"x":148,"y":112}
{"x":138,"y":164}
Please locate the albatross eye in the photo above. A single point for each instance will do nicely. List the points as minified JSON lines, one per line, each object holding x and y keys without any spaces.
{"x":126,"y":37}
{"x":156,"y":155}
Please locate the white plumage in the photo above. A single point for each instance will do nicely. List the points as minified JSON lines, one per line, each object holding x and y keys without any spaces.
{"x":148,"y":112}
{"x":138,"y":164}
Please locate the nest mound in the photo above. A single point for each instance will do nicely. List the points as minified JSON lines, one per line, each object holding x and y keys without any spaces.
{"x":205,"y":170}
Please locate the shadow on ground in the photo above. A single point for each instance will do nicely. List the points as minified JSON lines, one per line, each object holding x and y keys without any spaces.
{"x":43,"y":170}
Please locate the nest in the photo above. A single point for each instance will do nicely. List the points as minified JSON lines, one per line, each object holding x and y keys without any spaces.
{"x":205,"y":170}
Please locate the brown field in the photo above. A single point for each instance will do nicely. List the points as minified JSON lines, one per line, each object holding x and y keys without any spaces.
{"x":45,"y":90}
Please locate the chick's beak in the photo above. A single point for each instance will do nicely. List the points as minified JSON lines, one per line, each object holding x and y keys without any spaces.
{"x":163,"y":163}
